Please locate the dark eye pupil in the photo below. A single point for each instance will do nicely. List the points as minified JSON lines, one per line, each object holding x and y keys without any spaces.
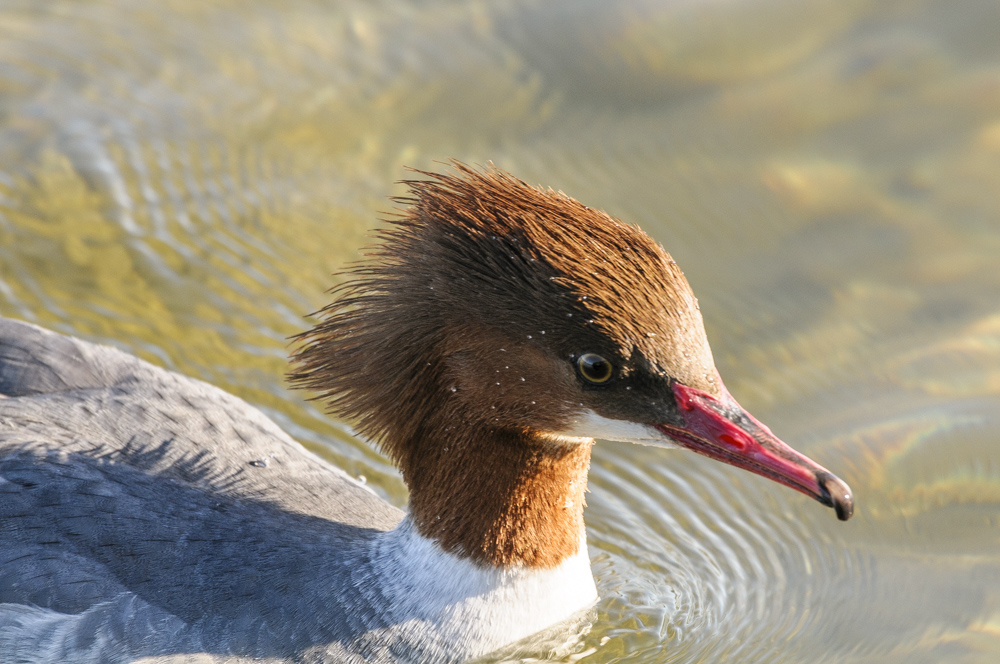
{"x":595,"y":368}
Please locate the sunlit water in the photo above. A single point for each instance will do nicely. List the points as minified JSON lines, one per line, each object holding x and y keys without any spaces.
{"x":179,"y":179}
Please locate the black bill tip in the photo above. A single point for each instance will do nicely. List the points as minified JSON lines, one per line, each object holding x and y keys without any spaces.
{"x":836,"y":494}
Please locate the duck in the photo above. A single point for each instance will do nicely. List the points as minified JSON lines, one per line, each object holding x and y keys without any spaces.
{"x":492,"y":334}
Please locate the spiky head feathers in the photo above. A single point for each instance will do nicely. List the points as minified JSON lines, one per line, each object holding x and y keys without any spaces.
{"x":477,"y":301}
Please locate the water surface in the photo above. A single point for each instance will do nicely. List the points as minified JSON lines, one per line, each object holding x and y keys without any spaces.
{"x":180,"y":179}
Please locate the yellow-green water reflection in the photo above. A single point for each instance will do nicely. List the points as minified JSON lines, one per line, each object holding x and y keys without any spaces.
{"x":181,"y":178}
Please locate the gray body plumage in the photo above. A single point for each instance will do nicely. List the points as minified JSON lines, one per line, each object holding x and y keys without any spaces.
{"x":145,"y":514}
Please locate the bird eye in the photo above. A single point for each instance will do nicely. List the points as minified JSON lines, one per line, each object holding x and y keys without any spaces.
{"x":594,"y":368}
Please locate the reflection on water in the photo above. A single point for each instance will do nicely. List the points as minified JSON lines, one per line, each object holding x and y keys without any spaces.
{"x":180,"y":178}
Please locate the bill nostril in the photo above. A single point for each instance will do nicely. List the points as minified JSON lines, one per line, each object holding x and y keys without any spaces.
{"x":733,"y":441}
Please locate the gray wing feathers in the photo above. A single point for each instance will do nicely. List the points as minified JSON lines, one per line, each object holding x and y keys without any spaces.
{"x":136,"y":515}
{"x":34,"y":360}
{"x":76,"y":397}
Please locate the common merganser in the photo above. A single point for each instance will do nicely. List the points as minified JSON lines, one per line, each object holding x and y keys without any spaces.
{"x":494,"y":333}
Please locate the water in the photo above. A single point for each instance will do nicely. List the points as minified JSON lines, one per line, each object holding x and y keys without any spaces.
{"x":179,"y":179}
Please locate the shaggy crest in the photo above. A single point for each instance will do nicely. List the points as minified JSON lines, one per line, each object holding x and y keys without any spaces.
{"x":504,"y":256}
{"x":455,"y":347}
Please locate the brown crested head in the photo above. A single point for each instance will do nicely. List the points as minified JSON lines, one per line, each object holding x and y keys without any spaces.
{"x":498,"y":328}
{"x":479,"y":302}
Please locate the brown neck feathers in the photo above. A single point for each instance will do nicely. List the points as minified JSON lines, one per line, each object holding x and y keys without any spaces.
{"x":503,"y":499}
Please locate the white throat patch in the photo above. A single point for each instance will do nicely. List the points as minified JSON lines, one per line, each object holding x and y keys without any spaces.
{"x":591,"y":425}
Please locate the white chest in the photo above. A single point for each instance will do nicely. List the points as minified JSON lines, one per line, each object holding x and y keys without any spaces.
{"x":450,"y":605}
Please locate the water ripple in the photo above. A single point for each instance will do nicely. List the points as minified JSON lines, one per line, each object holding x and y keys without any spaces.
{"x":734,"y":573}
